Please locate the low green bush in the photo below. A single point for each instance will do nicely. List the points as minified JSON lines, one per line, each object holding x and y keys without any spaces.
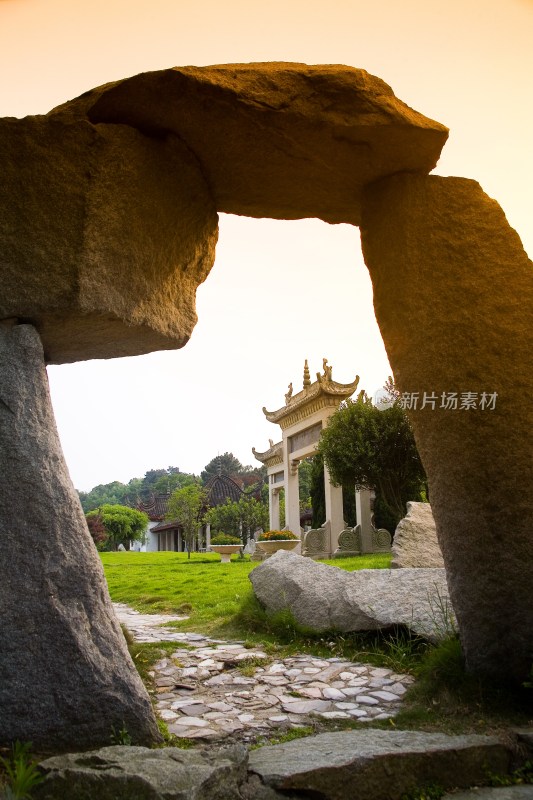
{"x":276,"y":536}
{"x":224,"y":538}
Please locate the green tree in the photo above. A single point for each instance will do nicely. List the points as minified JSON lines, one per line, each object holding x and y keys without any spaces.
{"x":151,"y":476}
{"x":226,"y":464}
{"x":305,"y":472}
{"x":121,"y":524}
{"x":375,"y":449}
{"x":172,"y":481}
{"x":186,"y":506}
{"x":104,"y":494}
{"x":239,"y":518}
{"x":317,"y":491}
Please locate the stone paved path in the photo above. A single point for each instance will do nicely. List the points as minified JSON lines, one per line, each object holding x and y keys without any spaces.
{"x":202,"y":694}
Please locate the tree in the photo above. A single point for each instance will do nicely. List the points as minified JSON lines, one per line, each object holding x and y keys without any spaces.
{"x":171,"y":481}
{"x":104,"y":494}
{"x":151,"y":476}
{"x":239,"y":518}
{"x":226,"y":464}
{"x":305,"y":472}
{"x":121,"y":524}
{"x":97,"y":530}
{"x":186,"y":505}
{"x":375,"y":449}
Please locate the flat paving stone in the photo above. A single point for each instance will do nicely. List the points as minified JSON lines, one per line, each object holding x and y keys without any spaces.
{"x":201,"y":693}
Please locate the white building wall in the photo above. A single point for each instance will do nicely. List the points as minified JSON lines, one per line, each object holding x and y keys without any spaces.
{"x":151,"y":538}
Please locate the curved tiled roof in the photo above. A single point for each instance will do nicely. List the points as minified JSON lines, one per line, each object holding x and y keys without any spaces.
{"x":156,"y":506}
{"x":221,"y":488}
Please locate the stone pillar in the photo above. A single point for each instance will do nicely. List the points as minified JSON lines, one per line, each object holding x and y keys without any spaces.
{"x":453,"y":293}
{"x":292,"y":492}
{"x":273,"y":507}
{"x":334,"y":510}
{"x":208,"y":536}
{"x":66,"y":674}
{"x":364,"y":519}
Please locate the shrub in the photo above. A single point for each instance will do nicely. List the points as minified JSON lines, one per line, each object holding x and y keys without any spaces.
{"x":224,"y":538}
{"x":276,"y":536}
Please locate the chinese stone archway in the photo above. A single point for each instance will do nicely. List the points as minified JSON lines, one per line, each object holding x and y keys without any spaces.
{"x":302,"y":420}
{"x":108,"y":224}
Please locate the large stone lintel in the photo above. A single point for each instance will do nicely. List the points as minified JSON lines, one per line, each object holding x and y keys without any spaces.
{"x":275,"y":139}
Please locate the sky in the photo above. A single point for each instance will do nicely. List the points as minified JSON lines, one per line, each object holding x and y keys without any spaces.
{"x":279,"y":292}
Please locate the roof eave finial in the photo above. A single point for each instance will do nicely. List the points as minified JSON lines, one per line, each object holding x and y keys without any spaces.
{"x":288,"y":395}
{"x":307,"y":377}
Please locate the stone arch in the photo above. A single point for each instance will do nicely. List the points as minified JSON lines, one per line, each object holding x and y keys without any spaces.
{"x":109,"y":224}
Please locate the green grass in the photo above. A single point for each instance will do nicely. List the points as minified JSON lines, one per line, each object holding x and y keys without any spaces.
{"x":18,"y":772}
{"x":215,"y":596}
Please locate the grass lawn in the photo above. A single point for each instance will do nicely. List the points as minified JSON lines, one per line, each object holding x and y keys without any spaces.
{"x":216,"y":597}
{"x":219,"y":601}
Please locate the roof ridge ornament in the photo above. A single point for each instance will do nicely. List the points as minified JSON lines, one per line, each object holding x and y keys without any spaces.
{"x":307,"y":376}
{"x":327,"y":376}
{"x":323,"y":392}
{"x":288,"y":395}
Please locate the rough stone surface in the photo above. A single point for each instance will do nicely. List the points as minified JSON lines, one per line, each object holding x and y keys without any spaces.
{"x":105,"y":235}
{"x":453,"y":295}
{"x":136,"y":773}
{"x":65,"y":673}
{"x":324,"y":598}
{"x":273,"y":139}
{"x":377,"y":765}
{"x":489,"y":793}
{"x":362,"y":765}
{"x":415,"y":541}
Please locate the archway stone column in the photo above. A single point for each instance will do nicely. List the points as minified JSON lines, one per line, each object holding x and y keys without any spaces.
{"x":67,"y":677}
{"x":273,"y":507}
{"x":453,"y":294}
{"x":292,"y":489}
{"x":334,"y":510}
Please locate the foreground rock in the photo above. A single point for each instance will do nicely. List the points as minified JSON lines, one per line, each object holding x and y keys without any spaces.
{"x":488,"y":793}
{"x":375,"y":764}
{"x":135,"y":773}
{"x":415,"y":541}
{"x":66,"y":677}
{"x":453,"y":294}
{"x":360,"y":765}
{"x":274,"y":139}
{"x":328,"y":598}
